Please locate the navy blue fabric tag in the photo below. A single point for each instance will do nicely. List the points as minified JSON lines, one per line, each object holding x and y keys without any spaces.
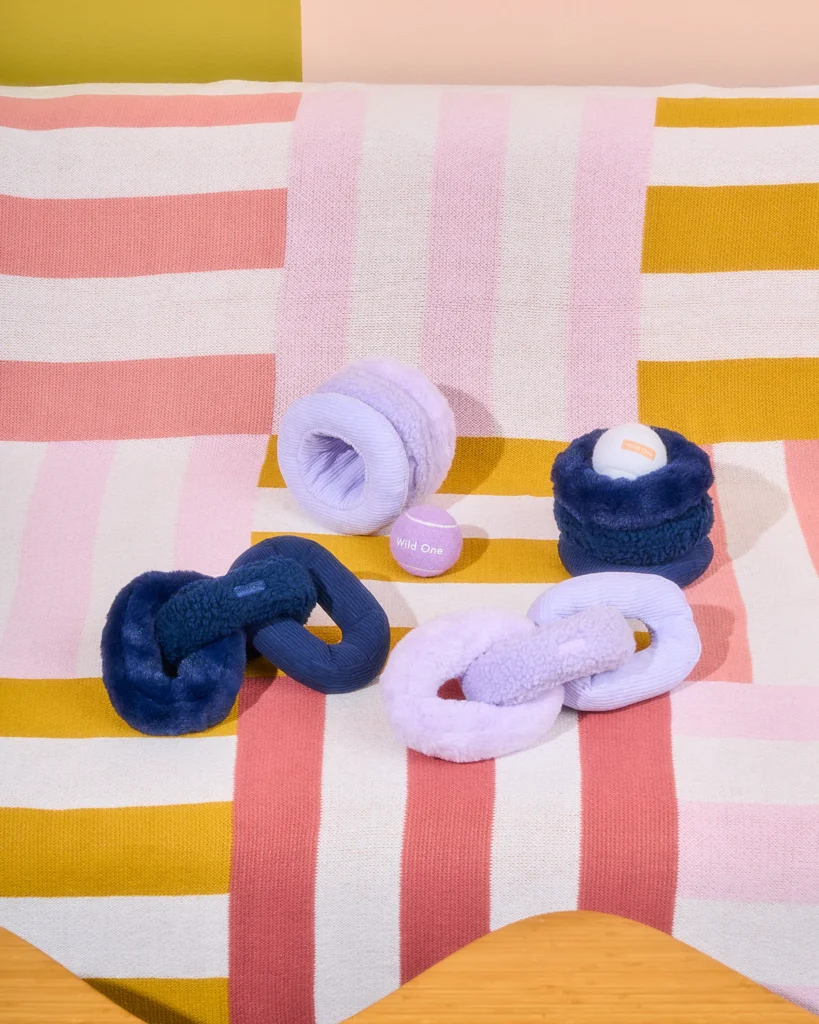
{"x":246,"y":589}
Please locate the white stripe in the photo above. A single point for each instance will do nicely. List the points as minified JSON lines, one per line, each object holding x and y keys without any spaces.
{"x":517,"y":517}
{"x":744,"y":315}
{"x":536,"y":830}
{"x":437,"y":526}
{"x":232,"y":87}
{"x":358,"y":874}
{"x":735,"y":156}
{"x":137,"y":528}
{"x":392,"y":226}
{"x":223,"y":88}
{"x":535,"y":250}
{"x":771,"y":562}
{"x":64,"y":774}
{"x":772,"y":943}
{"x":221,"y":312}
{"x":520,"y":517}
{"x":731,"y":770}
{"x":126,"y":936}
{"x":104,"y":163}
{"x":20,"y":464}
{"x":410,"y":604}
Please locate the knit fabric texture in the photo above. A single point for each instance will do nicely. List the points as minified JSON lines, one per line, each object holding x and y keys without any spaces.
{"x":180,"y":266}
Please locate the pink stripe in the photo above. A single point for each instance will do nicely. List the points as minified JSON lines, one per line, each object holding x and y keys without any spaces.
{"x":802,"y":464}
{"x":218,"y":495}
{"x":746,"y":712}
{"x":43,"y":631}
{"x":613,"y":167}
{"x":322,"y":215}
{"x":719,"y":613}
{"x":147,"y":111}
{"x":752,"y":852}
{"x":138,"y":398}
{"x":142,"y":235}
{"x":276,"y":812}
{"x":467,"y":193}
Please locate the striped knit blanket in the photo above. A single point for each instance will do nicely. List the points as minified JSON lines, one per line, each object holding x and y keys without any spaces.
{"x":177,"y":264}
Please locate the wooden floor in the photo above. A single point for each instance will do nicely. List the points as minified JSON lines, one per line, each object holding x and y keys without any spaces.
{"x":581,"y":968}
{"x":575,"y":968}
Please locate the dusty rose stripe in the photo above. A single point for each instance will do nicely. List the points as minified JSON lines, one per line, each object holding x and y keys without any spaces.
{"x":749,"y":852}
{"x":99,"y":111}
{"x":136,"y":398}
{"x":45,"y":625}
{"x":467,"y":194}
{"x":142,"y":235}
{"x":719,"y":613}
{"x":321,"y":224}
{"x":446,"y":861}
{"x":613,"y":168}
{"x":746,"y":712}
{"x":802,"y":464}
{"x":628,"y":848}
{"x":218,"y":495}
{"x":276,"y":811}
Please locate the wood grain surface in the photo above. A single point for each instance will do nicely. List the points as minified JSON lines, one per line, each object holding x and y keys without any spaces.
{"x":34,"y":989}
{"x":581,"y":968}
{"x":576,"y":968}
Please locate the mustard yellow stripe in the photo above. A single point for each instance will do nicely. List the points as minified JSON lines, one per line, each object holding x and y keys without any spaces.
{"x":732,"y":399}
{"x":482,"y":465}
{"x":270,"y":475}
{"x":174,"y":850}
{"x":482,"y":561}
{"x":502,"y":465}
{"x":699,"y":230}
{"x":169,"y":1000}
{"x":70,"y":708}
{"x":760,"y":112}
{"x":260,"y":668}
{"x":55,"y":41}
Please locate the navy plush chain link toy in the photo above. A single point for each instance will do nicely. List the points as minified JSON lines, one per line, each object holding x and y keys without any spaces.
{"x":175,"y":644}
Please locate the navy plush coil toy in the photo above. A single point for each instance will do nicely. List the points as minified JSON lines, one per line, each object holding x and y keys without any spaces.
{"x":658,"y":523}
{"x":175,"y":644}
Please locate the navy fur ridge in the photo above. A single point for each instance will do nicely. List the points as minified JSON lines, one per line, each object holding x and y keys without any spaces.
{"x":648,"y":501}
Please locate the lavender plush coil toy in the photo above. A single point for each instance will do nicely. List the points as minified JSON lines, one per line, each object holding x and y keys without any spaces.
{"x":575,"y":648}
{"x":371,"y":441}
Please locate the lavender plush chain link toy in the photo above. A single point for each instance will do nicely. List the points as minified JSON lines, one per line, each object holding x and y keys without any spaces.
{"x":575,"y":648}
{"x":371,"y":441}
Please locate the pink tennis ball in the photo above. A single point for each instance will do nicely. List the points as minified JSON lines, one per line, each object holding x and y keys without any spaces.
{"x":426,"y":541}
